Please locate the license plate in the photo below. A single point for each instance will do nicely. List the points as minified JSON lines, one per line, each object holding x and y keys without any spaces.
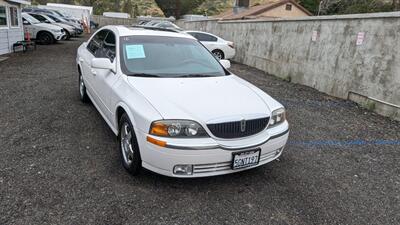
{"x":245,"y":159}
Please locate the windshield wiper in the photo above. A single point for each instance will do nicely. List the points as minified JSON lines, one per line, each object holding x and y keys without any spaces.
{"x":144,"y":75}
{"x":195,"y":75}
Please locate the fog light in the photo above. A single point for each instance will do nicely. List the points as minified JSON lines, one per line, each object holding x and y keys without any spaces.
{"x":278,"y":151}
{"x":183,"y":169}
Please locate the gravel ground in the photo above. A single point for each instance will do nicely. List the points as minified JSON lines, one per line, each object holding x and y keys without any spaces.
{"x":59,"y":162}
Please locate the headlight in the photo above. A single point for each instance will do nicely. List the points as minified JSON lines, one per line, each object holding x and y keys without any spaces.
{"x":278,"y":117}
{"x":177,"y":129}
{"x":56,"y":30}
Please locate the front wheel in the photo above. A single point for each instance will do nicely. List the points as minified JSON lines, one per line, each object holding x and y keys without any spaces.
{"x":67,"y":35}
{"x":46,"y":38}
{"x":82,"y":89}
{"x":129,"y":148}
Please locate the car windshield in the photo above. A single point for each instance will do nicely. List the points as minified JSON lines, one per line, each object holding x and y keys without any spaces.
{"x":30,"y":18}
{"x":49,"y":19}
{"x":158,"y":56}
{"x":58,"y":13}
{"x":54,"y":18}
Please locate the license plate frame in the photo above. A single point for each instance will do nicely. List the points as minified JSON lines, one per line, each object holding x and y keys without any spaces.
{"x":242,"y":154}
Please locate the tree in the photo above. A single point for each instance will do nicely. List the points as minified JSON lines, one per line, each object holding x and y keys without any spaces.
{"x":396,"y":5}
{"x":311,"y":5}
{"x":177,"y":8}
{"x":127,"y":7}
{"x":331,"y":7}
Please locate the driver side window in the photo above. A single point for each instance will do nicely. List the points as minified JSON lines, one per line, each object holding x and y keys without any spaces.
{"x":96,"y":44}
{"x":108,"y":50}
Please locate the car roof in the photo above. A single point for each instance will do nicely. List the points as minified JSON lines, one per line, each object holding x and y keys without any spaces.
{"x":151,"y":31}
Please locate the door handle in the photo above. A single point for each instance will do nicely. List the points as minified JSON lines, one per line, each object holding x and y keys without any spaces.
{"x":93,"y":72}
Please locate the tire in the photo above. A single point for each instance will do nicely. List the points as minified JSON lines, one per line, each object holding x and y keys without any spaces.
{"x":128,"y":146}
{"x":67,"y":35}
{"x":82,"y":89}
{"x":218,"y":54}
{"x":46,"y":38}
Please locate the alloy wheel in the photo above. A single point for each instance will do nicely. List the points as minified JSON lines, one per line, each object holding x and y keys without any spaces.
{"x":218,"y":55}
{"x":81,"y":86}
{"x":126,"y":144}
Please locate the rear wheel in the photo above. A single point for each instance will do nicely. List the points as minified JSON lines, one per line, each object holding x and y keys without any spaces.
{"x":45,"y":38}
{"x":218,"y":54}
{"x":129,"y":148}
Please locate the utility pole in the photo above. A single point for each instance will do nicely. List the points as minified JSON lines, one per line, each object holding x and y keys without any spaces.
{"x":320,"y":6}
{"x":177,"y":9}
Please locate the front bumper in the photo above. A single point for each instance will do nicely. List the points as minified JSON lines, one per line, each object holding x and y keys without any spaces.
{"x":60,"y":36}
{"x":207,"y":160}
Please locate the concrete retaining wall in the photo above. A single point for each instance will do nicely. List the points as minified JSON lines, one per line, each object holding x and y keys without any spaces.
{"x":332,"y":62}
{"x":104,"y":21}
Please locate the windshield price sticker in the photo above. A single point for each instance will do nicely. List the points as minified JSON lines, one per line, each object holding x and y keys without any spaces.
{"x":135,"y":52}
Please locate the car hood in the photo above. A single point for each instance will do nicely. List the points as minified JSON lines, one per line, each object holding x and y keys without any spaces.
{"x":65,"y":26}
{"x":209,"y":100}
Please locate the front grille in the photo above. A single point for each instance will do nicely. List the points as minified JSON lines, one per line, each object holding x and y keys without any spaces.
{"x":235,"y":129}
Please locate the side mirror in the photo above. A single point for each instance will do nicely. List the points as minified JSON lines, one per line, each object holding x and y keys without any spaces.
{"x":47,"y":21}
{"x":104,"y":64}
{"x":26,"y":22}
{"x":225,"y":63}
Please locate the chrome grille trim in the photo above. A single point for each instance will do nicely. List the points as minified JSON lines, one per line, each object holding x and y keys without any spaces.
{"x":234,"y":129}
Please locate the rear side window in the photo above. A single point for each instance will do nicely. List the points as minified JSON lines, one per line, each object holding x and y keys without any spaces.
{"x":205,"y":37}
{"x":97,"y":42}
{"x":193,"y":34}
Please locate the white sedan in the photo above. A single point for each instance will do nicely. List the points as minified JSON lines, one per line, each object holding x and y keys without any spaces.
{"x":175,"y":108}
{"x":221,"y":48}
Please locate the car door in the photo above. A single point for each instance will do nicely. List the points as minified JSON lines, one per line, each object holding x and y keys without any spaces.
{"x":105,"y":79}
{"x":92,"y":50}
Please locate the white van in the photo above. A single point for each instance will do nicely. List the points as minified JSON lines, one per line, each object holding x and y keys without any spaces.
{"x":117,"y":15}
{"x":42,"y":32}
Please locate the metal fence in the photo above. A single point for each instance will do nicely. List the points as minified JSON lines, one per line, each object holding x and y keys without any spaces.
{"x":104,"y":21}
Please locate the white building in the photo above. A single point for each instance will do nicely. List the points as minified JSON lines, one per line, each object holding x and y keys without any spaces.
{"x":11,"y":29}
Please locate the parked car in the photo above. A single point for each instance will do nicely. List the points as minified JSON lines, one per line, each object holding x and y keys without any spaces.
{"x":167,"y":25}
{"x":160,"y":24}
{"x":143,"y":22}
{"x":221,"y":48}
{"x":180,"y":116}
{"x":69,"y":30}
{"x":78,"y":27}
{"x":42,"y":32}
{"x":56,"y":16}
{"x":42,"y":11}
{"x":93,"y":25}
